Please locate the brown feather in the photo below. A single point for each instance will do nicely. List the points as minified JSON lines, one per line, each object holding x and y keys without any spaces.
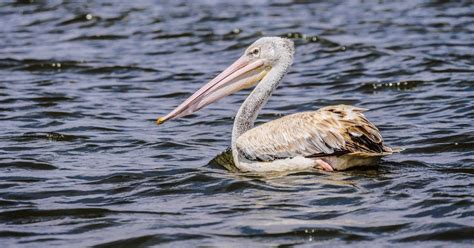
{"x":329,"y":131}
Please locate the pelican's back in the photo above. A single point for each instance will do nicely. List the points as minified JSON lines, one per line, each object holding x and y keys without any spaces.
{"x":339,"y":130}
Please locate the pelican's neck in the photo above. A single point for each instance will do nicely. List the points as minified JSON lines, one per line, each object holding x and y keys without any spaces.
{"x":248,"y":112}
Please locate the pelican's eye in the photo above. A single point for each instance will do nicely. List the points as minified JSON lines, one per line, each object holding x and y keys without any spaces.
{"x":255,"y":52}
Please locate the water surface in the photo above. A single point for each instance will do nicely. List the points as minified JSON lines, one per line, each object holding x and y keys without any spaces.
{"x":82,"y":162}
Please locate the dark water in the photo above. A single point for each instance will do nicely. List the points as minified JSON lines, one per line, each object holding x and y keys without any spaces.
{"x":83,"y":164}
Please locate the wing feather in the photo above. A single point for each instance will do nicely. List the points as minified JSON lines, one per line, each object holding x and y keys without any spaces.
{"x":333,"y":130}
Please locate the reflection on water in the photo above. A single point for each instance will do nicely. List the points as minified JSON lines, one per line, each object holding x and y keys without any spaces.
{"x":83,"y":164}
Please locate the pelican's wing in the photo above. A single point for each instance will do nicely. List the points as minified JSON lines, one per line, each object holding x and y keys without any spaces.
{"x":333,"y":130}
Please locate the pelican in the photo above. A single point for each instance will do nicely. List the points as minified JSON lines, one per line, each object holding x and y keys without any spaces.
{"x":331,"y":138}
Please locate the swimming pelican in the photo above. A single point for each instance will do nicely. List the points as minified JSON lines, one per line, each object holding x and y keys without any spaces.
{"x":331,"y":138}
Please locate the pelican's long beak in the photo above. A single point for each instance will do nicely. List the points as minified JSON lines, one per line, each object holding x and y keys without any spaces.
{"x":242,"y":74}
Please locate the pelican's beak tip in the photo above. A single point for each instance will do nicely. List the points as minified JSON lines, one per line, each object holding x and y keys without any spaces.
{"x":160,"y":120}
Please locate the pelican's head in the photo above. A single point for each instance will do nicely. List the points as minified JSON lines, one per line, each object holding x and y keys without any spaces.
{"x":258,"y":59}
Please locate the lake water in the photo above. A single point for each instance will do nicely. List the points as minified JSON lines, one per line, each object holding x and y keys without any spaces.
{"x":82,"y":162}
